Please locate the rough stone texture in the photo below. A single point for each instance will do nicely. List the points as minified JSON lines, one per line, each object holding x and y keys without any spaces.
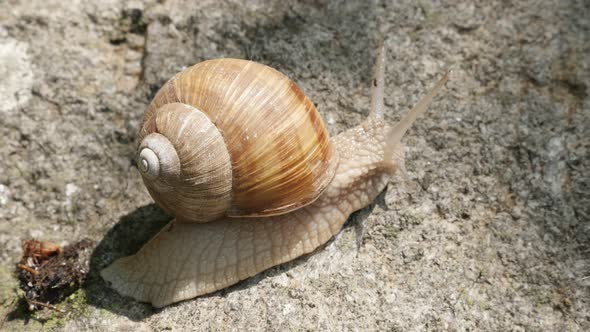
{"x":490,"y":230}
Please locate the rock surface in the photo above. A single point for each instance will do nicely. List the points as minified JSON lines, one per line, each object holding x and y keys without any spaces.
{"x":490,"y":230}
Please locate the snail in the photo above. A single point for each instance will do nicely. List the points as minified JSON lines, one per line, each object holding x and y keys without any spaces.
{"x":241,"y":158}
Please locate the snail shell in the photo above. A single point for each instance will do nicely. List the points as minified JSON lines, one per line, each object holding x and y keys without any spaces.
{"x":236,"y":138}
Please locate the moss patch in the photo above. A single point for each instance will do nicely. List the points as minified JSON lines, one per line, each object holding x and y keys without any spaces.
{"x":73,"y":307}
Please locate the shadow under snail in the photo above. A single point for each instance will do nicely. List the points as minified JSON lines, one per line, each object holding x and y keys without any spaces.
{"x":241,"y":158}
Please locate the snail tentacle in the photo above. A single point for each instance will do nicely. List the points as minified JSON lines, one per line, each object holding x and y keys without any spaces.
{"x":398,"y":131}
{"x":378,"y":86}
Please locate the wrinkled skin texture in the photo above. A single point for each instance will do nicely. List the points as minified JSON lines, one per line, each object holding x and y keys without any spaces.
{"x":187,"y":260}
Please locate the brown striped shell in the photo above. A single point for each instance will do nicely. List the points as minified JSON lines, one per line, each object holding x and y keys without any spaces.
{"x":233,"y":137}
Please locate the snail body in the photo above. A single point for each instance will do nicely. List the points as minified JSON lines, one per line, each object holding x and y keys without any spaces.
{"x":187,"y":259}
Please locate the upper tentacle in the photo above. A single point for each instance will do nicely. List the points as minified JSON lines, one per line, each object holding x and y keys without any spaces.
{"x":399,"y":130}
{"x":377,"y":106}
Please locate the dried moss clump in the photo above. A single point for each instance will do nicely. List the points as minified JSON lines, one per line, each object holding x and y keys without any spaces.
{"x":48,"y":273}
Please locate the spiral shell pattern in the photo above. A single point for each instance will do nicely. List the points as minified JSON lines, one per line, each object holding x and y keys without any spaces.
{"x":279,"y":154}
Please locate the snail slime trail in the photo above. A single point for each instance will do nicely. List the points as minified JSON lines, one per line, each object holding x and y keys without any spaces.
{"x":234,"y":215}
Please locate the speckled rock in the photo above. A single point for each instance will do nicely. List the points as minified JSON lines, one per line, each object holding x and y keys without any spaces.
{"x":489,"y":230}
